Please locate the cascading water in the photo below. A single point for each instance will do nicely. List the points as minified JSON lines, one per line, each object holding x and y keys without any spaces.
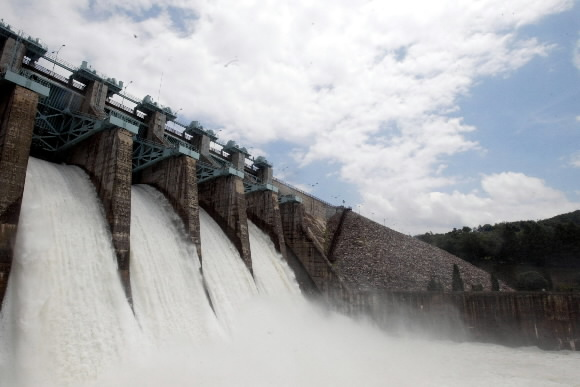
{"x":272,"y":274}
{"x":168,"y":295}
{"x":65,"y":317}
{"x":230,"y":285}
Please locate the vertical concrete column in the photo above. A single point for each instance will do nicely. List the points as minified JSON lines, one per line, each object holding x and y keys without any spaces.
{"x":17,"y":114}
{"x":176,"y":177}
{"x":12,"y":55}
{"x":201,"y":140}
{"x":223,"y":198}
{"x":238,"y":160}
{"x":263,"y":209}
{"x":201,"y":143}
{"x":95,"y":98}
{"x":107,"y":158}
{"x":265,"y":174}
{"x":156,"y":129}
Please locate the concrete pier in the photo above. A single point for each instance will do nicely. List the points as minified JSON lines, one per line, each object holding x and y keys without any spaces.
{"x":11,"y":55}
{"x":17,"y":115}
{"x":223,"y":198}
{"x":262,"y":205}
{"x":95,"y":97}
{"x":263,"y":209}
{"x":107,"y":158}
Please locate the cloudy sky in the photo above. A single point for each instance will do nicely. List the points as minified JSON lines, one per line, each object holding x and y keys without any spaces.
{"x":422,"y":115}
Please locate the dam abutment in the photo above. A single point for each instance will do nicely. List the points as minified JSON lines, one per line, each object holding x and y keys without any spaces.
{"x":306,"y":241}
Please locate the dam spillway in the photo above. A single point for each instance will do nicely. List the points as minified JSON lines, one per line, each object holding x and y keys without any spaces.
{"x":65,"y":310}
{"x":168,"y":291}
{"x":50,"y":334}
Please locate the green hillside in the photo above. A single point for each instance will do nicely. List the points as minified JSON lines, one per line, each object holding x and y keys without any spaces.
{"x":550,"y":248}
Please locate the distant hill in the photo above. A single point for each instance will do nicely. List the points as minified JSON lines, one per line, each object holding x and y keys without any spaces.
{"x":550,"y":247}
{"x":571,"y":217}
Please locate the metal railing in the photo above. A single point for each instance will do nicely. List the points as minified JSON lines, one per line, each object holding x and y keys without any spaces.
{"x":48,"y":72}
{"x":78,"y":85}
{"x":302,"y":192}
{"x":119,"y":105}
{"x":176,"y":142}
{"x":62,"y":63}
{"x":7,"y":31}
{"x":130,"y":97}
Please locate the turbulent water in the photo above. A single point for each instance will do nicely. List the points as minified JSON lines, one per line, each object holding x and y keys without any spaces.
{"x":65,"y":321}
{"x":230,"y":284}
{"x":168,"y":295}
{"x":65,"y":315}
{"x":272,"y":274}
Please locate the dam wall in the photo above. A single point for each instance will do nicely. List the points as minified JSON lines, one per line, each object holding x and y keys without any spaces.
{"x":547,"y":320}
{"x":305,"y":240}
{"x":342,"y":256}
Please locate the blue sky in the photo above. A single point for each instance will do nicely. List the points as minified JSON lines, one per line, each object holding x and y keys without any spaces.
{"x":423,"y":115}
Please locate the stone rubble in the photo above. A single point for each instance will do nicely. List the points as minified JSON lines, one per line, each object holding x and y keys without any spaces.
{"x":368,"y":256}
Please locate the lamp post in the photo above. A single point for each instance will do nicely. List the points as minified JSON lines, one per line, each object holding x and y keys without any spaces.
{"x":56,"y":56}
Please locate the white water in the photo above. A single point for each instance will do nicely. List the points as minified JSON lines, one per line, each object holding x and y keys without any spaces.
{"x":168,"y":295}
{"x":65,"y":315}
{"x":301,"y":345}
{"x":229,"y":283}
{"x":65,"y":319}
{"x":272,"y":274}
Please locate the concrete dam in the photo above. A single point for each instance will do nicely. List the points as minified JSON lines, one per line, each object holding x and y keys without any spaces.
{"x":139,"y":156}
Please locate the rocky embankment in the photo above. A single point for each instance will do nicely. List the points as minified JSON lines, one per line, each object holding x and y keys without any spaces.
{"x":367,"y":255}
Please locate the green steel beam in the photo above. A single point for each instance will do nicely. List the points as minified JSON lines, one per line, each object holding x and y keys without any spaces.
{"x":27,"y":83}
{"x":147,"y":153}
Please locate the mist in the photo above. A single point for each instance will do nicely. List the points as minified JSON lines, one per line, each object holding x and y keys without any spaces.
{"x":283,"y":342}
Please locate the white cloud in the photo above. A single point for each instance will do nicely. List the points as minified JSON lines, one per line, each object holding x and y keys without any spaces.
{"x":574,"y":160}
{"x":369,"y":86}
{"x":576,"y":55}
{"x":506,"y":196}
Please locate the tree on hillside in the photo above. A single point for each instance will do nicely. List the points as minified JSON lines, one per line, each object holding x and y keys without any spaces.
{"x":456,"y":281}
{"x":544,"y":246}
